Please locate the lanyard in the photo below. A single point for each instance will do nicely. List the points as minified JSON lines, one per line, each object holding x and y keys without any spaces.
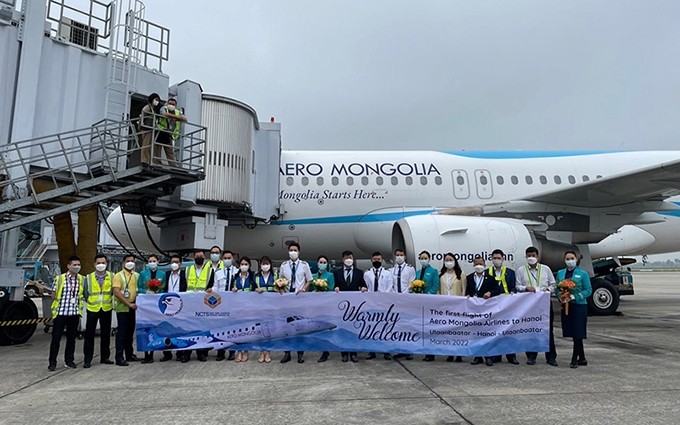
{"x":531,"y":276}
{"x":479,"y":280}
{"x":174,"y":282}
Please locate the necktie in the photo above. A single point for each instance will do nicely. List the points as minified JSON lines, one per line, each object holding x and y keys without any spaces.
{"x":347,"y":274}
{"x":399,"y":280}
{"x":227,"y":284}
{"x":376,"y":274}
{"x":292,"y":278}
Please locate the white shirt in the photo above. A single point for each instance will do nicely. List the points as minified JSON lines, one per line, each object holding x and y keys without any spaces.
{"x":385,"y":281}
{"x":223,"y":278}
{"x":302,"y":273}
{"x":173,"y":282}
{"x":408,"y":275}
{"x":541,"y":278}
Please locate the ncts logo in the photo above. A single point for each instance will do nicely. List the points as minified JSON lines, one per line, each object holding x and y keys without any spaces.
{"x":212,"y":300}
{"x":170,"y":304}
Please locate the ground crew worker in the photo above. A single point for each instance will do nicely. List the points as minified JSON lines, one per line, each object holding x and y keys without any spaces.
{"x":148,"y":130}
{"x":67,"y":296}
{"x":98,"y":294}
{"x":125,"y":293}
{"x":197,"y":276}
{"x":169,"y":123}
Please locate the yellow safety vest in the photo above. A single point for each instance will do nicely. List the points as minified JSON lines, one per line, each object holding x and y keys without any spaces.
{"x":198,"y":284}
{"x":501,"y":278}
{"x":61,"y":282}
{"x":99,"y":297}
{"x":119,"y":306}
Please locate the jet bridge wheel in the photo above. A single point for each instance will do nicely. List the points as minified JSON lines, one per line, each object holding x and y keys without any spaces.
{"x":17,"y":310}
{"x":605,"y":298}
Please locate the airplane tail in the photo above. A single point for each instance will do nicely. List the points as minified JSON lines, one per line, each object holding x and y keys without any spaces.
{"x":153,"y":335}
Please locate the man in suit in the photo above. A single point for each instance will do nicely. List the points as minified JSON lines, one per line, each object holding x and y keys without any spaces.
{"x":349,"y":278}
{"x":505,"y":280}
{"x":481,"y":285}
{"x":175,"y":281}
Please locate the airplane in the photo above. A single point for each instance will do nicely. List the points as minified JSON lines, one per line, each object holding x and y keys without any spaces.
{"x":599,"y":203}
{"x":245,"y":333}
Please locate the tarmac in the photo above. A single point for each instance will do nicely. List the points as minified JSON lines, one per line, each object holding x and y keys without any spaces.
{"x":633,"y":377}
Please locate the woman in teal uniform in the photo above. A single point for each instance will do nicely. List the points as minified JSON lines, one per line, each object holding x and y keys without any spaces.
{"x":575,"y":323}
{"x":323,"y":273}
{"x":244,"y":281}
{"x":264,"y":282}
{"x":430,"y":276}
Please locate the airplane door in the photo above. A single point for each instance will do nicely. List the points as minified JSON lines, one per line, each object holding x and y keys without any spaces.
{"x":483,"y":180}
{"x":265,"y":330}
{"x":461,"y":189}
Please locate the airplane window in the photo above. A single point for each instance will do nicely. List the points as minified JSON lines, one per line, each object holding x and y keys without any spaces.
{"x":350,"y":181}
{"x":335,"y":181}
{"x":500,"y":179}
{"x":409,"y":180}
{"x":483,"y":180}
{"x":543,"y":180}
{"x":514,"y":179}
{"x":379,"y":181}
{"x":289,"y":181}
{"x":423,"y":180}
{"x":460,"y":180}
{"x":586,"y":178}
{"x":364,"y":181}
{"x":290,"y":319}
{"x":558,"y":180}
{"x":598,"y":176}
{"x":529,"y":180}
{"x":305,"y":181}
{"x":395,"y":181}
{"x":319,"y":181}
{"x":240,"y":330}
{"x":572,"y":179}
{"x":438,"y":180}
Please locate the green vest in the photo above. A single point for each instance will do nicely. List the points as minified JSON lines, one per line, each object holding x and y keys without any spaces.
{"x":197,"y":284}
{"x":164,"y":124}
{"x":501,"y":278}
{"x":117,"y":305}
{"x":99,"y":297}
{"x":61,"y":281}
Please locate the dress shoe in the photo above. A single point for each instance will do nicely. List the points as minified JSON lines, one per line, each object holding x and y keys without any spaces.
{"x":123,"y":363}
{"x":552,"y":362}
{"x":178,"y":357}
{"x":87,"y":365}
{"x":513,"y":360}
{"x":219,"y":357}
{"x":477,"y":360}
{"x":573,"y":365}
{"x":323,"y":358}
{"x":133,"y":358}
{"x":52,"y":367}
{"x":428,"y":358}
{"x":345,"y":357}
{"x":387,"y":356}
{"x":232,"y":355}
{"x":301,"y":358}
{"x":531,"y":362}
{"x":371,"y":356}
{"x":408,"y":357}
{"x":106,"y":361}
{"x":165,"y":358}
{"x":398,"y":356}
{"x":459,"y":359}
{"x":203,"y":358}
{"x":71,"y":365}
{"x":147,"y":360}
{"x":185,"y":359}
{"x":449,"y":359}
{"x":489,"y":362}
{"x":285,"y":359}
{"x":583,"y":362}
{"x":353,"y":358}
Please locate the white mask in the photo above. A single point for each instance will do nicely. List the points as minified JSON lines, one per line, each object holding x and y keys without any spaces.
{"x":153,"y":265}
{"x":75,"y":269}
{"x":171,"y":108}
{"x":399,"y":259}
{"x":214,"y":257}
{"x":130,"y":265}
{"x":348,"y":262}
{"x":228,"y":262}
{"x":155,"y":102}
{"x":479,"y":268}
{"x":532,"y":260}
{"x":570,"y":264}
{"x":266,"y":267}
{"x":100,"y":267}
{"x":174,"y":266}
{"x":449,"y":264}
{"x":497,"y":263}
{"x":424,"y":263}
{"x":244,"y":268}
{"x":293,"y":255}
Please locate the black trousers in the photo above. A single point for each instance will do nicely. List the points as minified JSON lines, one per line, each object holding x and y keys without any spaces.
{"x":125,"y":335}
{"x":70,"y":324}
{"x":104,"y":319}
{"x":552,"y":354}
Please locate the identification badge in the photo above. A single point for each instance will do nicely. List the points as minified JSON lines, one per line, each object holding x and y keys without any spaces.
{"x":73,"y":301}
{"x":126,"y":293}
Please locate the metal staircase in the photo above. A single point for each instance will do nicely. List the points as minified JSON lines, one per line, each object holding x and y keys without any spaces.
{"x":68,"y":171}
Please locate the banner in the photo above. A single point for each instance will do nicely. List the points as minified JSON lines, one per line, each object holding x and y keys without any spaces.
{"x":349,"y":321}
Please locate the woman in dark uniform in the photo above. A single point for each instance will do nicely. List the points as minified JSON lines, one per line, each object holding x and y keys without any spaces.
{"x":574,"y":324}
{"x":244,"y":281}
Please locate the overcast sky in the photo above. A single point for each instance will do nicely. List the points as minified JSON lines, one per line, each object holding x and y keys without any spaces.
{"x":443,"y":75}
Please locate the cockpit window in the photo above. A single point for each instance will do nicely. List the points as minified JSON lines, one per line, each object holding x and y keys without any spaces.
{"x":290,"y":319}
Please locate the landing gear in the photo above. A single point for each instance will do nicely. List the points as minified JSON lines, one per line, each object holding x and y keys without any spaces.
{"x":605,"y":298}
{"x":11,"y":311}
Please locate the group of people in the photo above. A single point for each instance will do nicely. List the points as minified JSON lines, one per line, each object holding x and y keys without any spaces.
{"x":104,"y":292}
{"x":160,"y":130}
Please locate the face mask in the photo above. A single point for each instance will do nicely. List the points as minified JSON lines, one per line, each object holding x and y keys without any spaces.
{"x":377,"y":264}
{"x":171,"y":108}
{"x":155,"y":102}
{"x":199,"y":261}
{"x":570,"y":263}
{"x":479,"y":268}
{"x":497,"y":263}
{"x":532,"y":260}
{"x":424,"y":263}
{"x":228,"y":262}
{"x":266,"y":267}
{"x":214,"y":257}
{"x":449,"y":264}
{"x":348,"y":262}
{"x":322,"y":267}
{"x":399,"y":259}
{"x":100,"y":267}
{"x":130,"y":265}
{"x":293,"y":255}
{"x":75,"y":269}
{"x":153,"y":265}
{"x":244,"y":268}
{"x":174,"y":266}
